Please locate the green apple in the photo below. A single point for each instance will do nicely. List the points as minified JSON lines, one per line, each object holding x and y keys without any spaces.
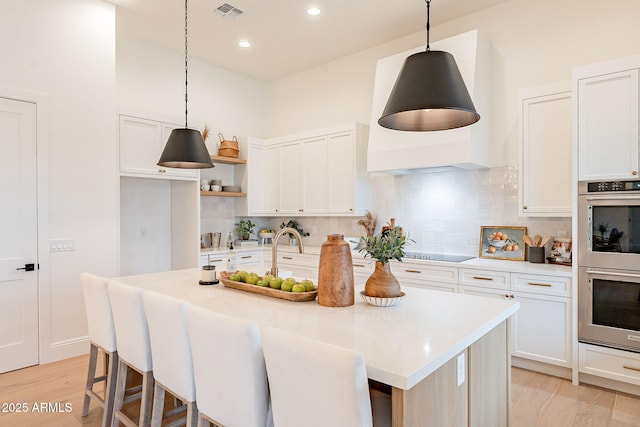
{"x":275,"y":283}
{"x":252,"y":278}
{"x":267,"y":277}
{"x":243,"y":275}
{"x":298,"y":288}
{"x":235,"y":277}
{"x":287,"y":285}
{"x":262,"y":283}
{"x":308,"y":285}
{"x":290,"y":280}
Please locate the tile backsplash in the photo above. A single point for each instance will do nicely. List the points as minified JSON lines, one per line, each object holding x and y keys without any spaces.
{"x":441,"y":211}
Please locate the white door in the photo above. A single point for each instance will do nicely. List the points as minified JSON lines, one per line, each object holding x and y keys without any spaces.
{"x":18,"y":231}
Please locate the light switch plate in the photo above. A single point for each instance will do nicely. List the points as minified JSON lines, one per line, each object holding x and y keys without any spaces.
{"x":61,"y":245}
{"x":461,"y":369}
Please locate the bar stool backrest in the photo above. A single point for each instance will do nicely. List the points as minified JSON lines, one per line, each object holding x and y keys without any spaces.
{"x":130,"y":321}
{"x":170,"y":348}
{"x":315,"y":384}
{"x":98,"y":306}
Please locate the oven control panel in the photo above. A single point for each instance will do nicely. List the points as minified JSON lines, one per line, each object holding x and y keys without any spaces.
{"x":597,"y":187}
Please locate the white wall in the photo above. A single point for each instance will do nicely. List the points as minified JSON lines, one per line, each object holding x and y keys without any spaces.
{"x":152,"y":79}
{"x":533,"y":43}
{"x":63,"y":52}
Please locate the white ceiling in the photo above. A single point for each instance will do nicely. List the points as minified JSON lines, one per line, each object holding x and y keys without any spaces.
{"x":285,"y":40}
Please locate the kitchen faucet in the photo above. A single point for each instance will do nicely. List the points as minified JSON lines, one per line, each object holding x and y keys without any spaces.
{"x":274,"y":247}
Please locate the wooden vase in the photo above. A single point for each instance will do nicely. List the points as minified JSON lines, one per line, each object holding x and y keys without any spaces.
{"x":335,"y":273}
{"x":382,"y":283}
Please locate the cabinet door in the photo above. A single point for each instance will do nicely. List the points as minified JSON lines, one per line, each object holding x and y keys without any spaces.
{"x":341,"y":173}
{"x":174,"y":172}
{"x":289,"y":178}
{"x":256,"y":173}
{"x":272,"y":192}
{"x":607,"y":126}
{"x":315,"y":170}
{"x":546,"y":151}
{"x":542,"y":329}
{"x":140,"y":146}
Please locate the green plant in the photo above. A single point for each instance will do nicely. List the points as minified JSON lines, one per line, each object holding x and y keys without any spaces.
{"x":385,"y":246}
{"x":245,"y":227}
{"x":294,"y":224}
{"x":602,"y":228}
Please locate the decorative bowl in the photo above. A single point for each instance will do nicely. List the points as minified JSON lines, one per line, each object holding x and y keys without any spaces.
{"x":497,"y":243}
{"x":231,"y":188}
{"x":382,"y":302}
{"x":266,"y":235}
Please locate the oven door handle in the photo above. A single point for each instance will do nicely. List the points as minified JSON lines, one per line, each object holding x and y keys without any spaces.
{"x":614,"y":198}
{"x":612,"y":273}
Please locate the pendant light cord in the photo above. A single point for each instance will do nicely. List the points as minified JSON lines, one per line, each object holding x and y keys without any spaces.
{"x":186,"y":65}
{"x":428,"y":22}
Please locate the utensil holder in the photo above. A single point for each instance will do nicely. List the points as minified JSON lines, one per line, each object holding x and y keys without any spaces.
{"x":536,"y":254}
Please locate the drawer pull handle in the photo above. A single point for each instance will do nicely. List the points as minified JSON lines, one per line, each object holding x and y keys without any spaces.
{"x":216,"y":260}
{"x":287,"y":257}
{"x":482,"y":278}
{"x":413,"y":271}
{"x":245,"y":257}
{"x":358,"y":265}
{"x":548,"y":285}
{"x":631,"y":368}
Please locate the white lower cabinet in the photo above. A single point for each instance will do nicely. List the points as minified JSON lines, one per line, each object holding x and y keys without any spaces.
{"x":438,"y":278}
{"x":609,"y":363}
{"x":541,"y":329}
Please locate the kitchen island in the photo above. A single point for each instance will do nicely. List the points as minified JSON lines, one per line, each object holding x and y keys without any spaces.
{"x":444,"y":357}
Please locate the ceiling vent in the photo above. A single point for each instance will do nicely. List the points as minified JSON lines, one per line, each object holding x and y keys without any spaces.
{"x":228,"y":11}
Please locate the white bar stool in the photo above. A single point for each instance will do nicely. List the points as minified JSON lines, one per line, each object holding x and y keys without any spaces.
{"x":134,"y":350}
{"x":103,"y":337}
{"x":317,"y":384}
{"x":171,"y":352}
{"x":230,"y":375}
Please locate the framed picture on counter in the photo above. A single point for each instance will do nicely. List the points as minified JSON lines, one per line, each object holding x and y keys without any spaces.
{"x":503,"y":242}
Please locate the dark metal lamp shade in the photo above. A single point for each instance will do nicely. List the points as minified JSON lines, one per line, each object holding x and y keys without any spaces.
{"x":185,"y":149}
{"x":429,"y":95}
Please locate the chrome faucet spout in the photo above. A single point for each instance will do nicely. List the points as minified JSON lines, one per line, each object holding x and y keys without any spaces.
{"x":274,"y":247}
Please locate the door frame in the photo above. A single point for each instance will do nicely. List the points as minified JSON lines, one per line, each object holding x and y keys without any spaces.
{"x":43,"y":115}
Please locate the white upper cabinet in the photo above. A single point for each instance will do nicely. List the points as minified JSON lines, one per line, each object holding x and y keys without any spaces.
{"x":321,"y":172}
{"x":607,"y":119}
{"x":546,"y":150}
{"x":141,"y":141}
{"x":393,"y":151}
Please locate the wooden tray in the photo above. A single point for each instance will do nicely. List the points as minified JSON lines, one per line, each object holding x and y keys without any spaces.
{"x":270,"y":292}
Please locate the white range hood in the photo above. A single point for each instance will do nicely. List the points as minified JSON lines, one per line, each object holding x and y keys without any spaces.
{"x":397,"y":152}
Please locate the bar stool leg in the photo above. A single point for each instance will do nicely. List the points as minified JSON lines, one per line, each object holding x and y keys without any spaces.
{"x":147,"y":398}
{"x":91,"y":375}
{"x":158,"y":405}
{"x":110,"y":388}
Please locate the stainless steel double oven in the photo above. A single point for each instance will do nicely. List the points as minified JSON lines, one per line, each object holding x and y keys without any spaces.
{"x":609,"y":264}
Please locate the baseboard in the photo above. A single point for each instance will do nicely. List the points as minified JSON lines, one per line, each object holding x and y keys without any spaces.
{"x":544,"y":368}
{"x":64,"y":349}
{"x":609,"y":384}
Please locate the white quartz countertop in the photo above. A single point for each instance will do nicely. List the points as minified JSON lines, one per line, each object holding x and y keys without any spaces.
{"x":401,"y":345}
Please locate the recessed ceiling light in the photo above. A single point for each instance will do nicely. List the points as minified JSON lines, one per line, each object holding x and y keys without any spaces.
{"x":244,"y":43}
{"x":313,"y":11}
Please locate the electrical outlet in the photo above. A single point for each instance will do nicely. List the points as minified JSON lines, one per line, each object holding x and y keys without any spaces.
{"x":461,"y":369}
{"x":61,"y":245}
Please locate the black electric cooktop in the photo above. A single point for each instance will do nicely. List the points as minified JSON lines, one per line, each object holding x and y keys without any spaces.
{"x":437,"y":257}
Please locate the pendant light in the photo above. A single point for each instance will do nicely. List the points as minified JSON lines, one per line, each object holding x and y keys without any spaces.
{"x":185,"y":148}
{"x":429,"y":94}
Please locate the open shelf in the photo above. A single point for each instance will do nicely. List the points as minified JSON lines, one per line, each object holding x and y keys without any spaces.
{"x":228,"y":160}
{"x":222,"y":194}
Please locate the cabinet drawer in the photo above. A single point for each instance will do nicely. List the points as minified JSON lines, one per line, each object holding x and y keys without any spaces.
{"x":416,"y":271}
{"x":297,"y":259}
{"x":363,"y":266}
{"x":434,"y":286}
{"x":219,"y":260}
{"x":248,"y":258}
{"x":610,"y":363}
{"x":540,"y":284}
{"x":486,"y":279}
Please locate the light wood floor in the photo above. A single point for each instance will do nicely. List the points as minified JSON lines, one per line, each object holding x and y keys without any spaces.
{"x":537,"y":400}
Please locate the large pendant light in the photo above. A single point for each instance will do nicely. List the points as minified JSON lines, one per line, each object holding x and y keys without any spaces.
{"x":185,"y":148}
{"x":429,"y":94}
